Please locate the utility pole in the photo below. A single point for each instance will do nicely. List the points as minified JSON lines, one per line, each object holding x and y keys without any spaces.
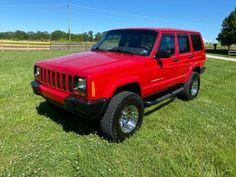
{"x":68,"y":10}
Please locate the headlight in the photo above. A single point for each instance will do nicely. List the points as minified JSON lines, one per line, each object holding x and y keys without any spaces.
{"x":36,"y":72}
{"x":80,"y":86}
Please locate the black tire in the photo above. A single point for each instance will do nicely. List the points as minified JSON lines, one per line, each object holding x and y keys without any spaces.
{"x":188,"y":93}
{"x":110,"y":123}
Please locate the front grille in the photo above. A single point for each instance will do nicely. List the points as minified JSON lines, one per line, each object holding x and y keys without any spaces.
{"x":57,"y":80}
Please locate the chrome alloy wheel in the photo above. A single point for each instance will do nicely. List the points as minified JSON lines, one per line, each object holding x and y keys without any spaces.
{"x":194,"y":87}
{"x":129,"y":118}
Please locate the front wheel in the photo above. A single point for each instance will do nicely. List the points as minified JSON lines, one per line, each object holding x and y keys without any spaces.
{"x":191,"y":88}
{"x":123,"y":117}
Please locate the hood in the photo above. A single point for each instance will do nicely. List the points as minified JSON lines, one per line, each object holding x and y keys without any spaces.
{"x":88,"y":60}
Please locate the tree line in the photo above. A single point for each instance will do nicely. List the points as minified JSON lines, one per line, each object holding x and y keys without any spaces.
{"x":54,"y":36}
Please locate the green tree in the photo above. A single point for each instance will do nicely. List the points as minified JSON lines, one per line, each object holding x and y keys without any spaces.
{"x":227,"y":36}
{"x":20,"y":35}
{"x":59,"y":35}
{"x":42,"y":36}
{"x":31,"y":35}
{"x":85,"y":37}
{"x":98,"y":36}
{"x":55,"y":36}
{"x":6,"y":35}
{"x":90,"y":35}
{"x":39,"y":35}
{"x":79,"y":37}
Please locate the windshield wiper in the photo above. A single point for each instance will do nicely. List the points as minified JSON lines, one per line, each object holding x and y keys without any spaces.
{"x":121,"y":51}
{"x":99,"y":49}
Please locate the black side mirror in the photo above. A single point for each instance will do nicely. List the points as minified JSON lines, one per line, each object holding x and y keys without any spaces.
{"x":163,"y":54}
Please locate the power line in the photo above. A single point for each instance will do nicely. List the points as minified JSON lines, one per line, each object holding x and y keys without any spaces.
{"x":69,"y":8}
{"x":111,"y":11}
{"x":76,"y":7}
{"x":118,"y":14}
{"x":123,"y":16}
{"x":28,"y":8}
{"x":32,"y":5}
{"x":81,"y":11}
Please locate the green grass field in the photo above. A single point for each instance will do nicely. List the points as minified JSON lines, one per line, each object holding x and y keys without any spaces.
{"x":196,"y":138}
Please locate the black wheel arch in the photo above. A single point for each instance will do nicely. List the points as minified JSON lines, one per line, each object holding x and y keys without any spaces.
{"x":131,"y":87}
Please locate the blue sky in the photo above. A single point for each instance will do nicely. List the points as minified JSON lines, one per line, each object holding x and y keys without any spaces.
{"x":205,"y":16}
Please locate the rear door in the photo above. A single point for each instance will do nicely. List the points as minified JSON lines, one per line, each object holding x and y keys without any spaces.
{"x":198,"y":47}
{"x":184,"y":55}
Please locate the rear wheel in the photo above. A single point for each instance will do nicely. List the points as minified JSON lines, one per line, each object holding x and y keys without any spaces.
{"x":191,"y":88}
{"x":123,"y":116}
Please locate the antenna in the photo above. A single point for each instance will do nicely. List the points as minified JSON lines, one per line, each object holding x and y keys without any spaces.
{"x":68,"y":11}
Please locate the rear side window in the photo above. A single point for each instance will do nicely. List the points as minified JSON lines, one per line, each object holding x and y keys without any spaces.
{"x":197,"y":43}
{"x":183,"y":42}
{"x":167,"y":43}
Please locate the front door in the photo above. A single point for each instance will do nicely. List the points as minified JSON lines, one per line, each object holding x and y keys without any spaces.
{"x":165,"y":69}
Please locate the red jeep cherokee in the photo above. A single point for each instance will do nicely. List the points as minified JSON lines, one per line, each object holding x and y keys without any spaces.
{"x":127,"y":70}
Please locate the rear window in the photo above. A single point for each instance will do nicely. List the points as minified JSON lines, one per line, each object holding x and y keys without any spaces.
{"x":183,"y":42}
{"x":197,"y":43}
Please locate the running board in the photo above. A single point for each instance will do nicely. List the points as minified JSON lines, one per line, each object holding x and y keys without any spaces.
{"x":165,"y":97}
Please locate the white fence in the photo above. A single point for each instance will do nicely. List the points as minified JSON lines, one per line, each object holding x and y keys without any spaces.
{"x":31,"y":46}
{"x":232,"y":52}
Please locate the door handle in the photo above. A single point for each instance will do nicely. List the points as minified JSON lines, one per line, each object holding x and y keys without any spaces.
{"x":175,"y":60}
{"x":190,"y":57}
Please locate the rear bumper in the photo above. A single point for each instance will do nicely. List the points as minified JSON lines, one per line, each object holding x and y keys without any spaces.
{"x":87,"y":109}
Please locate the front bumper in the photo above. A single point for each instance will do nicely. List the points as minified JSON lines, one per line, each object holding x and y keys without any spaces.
{"x":87,"y":109}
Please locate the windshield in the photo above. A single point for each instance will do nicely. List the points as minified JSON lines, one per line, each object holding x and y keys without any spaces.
{"x":137,"y":42}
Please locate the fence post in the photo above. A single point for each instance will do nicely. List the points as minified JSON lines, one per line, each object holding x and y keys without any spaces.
{"x":86,"y":47}
{"x":2,"y":46}
{"x":28,"y":46}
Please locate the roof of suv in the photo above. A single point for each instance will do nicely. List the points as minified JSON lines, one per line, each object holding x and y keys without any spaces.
{"x":159,"y":29}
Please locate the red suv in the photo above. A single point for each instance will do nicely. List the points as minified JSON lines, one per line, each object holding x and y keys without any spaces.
{"x":127,"y":70}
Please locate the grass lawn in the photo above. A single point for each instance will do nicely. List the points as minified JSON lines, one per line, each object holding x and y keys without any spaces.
{"x":196,"y":138}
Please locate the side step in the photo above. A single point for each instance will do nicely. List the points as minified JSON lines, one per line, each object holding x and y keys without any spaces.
{"x":164,"y":97}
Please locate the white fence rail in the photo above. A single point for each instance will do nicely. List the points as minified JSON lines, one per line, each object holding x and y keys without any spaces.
{"x":232,"y":52}
{"x":34,"y":46}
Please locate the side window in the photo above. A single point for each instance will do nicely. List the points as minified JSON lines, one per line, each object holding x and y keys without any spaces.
{"x":197,"y":43}
{"x":167,"y":43}
{"x":183,"y":42}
